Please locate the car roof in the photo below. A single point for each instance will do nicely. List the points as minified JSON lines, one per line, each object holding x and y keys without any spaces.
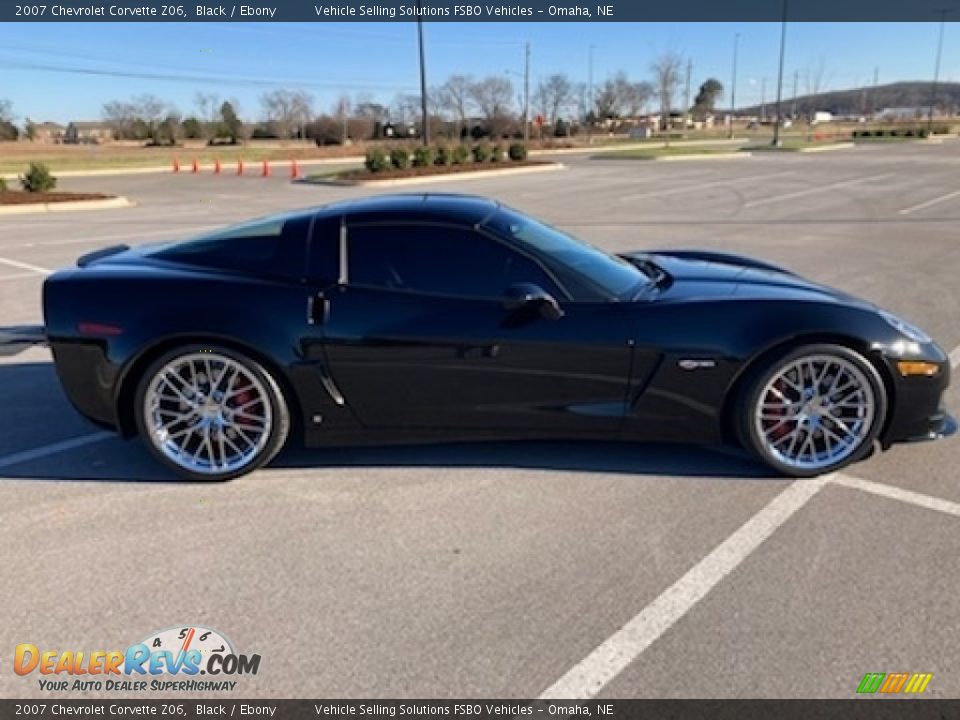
{"x":414,"y":207}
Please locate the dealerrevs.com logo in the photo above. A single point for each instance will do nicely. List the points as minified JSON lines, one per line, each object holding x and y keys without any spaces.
{"x":186,"y":658}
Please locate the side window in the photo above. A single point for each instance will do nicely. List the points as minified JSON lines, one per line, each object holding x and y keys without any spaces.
{"x":324,"y":265}
{"x":275,"y":245}
{"x":435,"y":259}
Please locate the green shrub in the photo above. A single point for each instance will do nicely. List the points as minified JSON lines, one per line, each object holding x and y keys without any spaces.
{"x":38,"y":179}
{"x":922,"y":133}
{"x":496,"y":153}
{"x":460,"y":154}
{"x":400,"y":157}
{"x":376,"y":160}
{"x":517,"y":152}
{"x":423,"y":157}
{"x":3,"y":185}
{"x":481,"y":152}
{"x":908,"y":132}
{"x":443,"y":155}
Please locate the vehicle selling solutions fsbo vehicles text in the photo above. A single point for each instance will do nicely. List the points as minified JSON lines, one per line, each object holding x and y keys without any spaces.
{"x":346,"y":11}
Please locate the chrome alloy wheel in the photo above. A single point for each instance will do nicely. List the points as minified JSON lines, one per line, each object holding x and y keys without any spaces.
{"x":207,"y":413}
{"x":815,"y":411}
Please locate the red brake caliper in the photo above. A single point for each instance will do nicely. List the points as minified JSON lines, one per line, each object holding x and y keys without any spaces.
{"x":782,"y":428}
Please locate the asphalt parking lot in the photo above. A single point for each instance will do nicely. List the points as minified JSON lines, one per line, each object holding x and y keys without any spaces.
{"x":514,"y":569}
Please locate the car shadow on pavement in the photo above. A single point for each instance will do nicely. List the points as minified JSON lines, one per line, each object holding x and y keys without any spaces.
{"x":38,"y":415}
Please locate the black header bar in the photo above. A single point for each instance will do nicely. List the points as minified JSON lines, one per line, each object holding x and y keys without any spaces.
{"x":601,"y":11}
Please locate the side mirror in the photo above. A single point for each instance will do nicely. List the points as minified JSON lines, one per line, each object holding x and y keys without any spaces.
{"x":527,"y":296}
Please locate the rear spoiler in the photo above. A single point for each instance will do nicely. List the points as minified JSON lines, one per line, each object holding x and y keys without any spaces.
{"x":85,"y":260}
{"x":723,"y":258}
{"x":17,"y":339}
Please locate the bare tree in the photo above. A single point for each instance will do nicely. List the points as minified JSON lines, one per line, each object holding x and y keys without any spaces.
{"x":405,"y":108}
{"x":493,"y":96}
{"x":619,"y":97}
{"x":816,"y":81}
{"x":287,"y":110}
{"x":554,"y":95}
{"x":455,"y":96}
{"x":6,"y":110}
{"x":666,"y":71}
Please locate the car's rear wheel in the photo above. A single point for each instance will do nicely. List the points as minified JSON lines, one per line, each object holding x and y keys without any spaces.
{"x":814,"y":410}
{"x":210,"y":413}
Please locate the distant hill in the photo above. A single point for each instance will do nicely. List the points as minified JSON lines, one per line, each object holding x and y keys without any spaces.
{"x":857,"y":101}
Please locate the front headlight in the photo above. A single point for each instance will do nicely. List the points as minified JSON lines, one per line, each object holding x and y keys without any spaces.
{"x":904,"y":328}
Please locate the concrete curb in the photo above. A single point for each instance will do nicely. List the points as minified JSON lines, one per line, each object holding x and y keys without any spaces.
{"x":681,"y":158}
{"x":425,"y":179}
{"x":67,"y":206}
{"x":828,"y":148}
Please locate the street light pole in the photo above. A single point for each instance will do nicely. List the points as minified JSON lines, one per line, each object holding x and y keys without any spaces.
{"x":526,"y":94}
{"x":425,"y":118}
{"x":733,"y":83}
{"x":777,"y":142}
{"x":936,"y":72}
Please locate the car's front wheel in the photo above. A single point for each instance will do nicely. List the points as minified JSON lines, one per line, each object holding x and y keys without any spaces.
{"x":813,"y":410}
{"x":210,"y":413}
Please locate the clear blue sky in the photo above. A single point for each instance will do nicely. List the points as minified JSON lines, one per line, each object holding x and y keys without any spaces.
{"x":241,"y":60}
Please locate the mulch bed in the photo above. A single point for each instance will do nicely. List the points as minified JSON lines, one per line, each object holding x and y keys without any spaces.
{"x":360,"y":175}
{"x":18,"y":197}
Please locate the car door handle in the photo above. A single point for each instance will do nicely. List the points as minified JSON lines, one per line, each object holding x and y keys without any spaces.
{"x":318,"y":309}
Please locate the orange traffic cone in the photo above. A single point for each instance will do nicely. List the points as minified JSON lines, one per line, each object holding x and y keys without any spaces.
{"x":239,"y":167}
{"x":294,"y":169}
{"x":196,"y":167}
{"x":176,"y":164}
{"x":216,"y":166}
{"x":266,"y":168}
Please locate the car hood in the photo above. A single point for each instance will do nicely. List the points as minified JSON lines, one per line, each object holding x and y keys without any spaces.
{"x":698,"y":275}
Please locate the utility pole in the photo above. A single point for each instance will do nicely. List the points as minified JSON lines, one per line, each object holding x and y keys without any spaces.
{"x":686,"y":93}
{"x":936,"y":72}
{"x":733,"y":83}
{"x":793,"y":107}
{"x":589,"y":102}
{"x":777,"y":142}
{"x":763,"y":100}
{"x":526,"y":93}
{"x":425,"y":124}
{"x":873,"y":93}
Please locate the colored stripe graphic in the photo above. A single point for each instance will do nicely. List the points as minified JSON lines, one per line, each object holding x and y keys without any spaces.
{"x":918,"y":683}
{"x":893,"y":683}
{"x":871,"y":683}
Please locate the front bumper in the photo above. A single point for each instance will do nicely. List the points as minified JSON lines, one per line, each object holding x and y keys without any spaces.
{"x":917,"y":411}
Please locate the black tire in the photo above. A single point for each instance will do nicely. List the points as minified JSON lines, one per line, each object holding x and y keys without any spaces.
{"x":275,"y":437}
{"x":749,"y":425}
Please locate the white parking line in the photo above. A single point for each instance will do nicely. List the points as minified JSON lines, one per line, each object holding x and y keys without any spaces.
{"x":813,"y":190}
{"x":589,"y":676}
{"x":25,"y":266}
{"x":955,"y":357}
{"x":929,"y":203}
{"x":894,"y":493}
{"x":53,"y":449}
{"x":704,"y":186}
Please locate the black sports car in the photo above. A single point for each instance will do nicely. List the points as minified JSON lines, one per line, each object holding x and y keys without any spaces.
{"x":447,"y":317}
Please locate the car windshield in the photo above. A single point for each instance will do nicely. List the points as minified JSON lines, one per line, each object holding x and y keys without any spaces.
{"x":614,"y":276}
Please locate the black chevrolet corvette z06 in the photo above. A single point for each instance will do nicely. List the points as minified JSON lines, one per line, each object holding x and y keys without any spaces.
{"x":411,"y":318}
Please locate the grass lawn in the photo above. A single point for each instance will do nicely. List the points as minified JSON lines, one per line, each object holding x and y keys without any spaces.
{"x":655,"y":152}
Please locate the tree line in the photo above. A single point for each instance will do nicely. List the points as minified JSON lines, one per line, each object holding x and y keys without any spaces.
{"x":462,"y":106}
